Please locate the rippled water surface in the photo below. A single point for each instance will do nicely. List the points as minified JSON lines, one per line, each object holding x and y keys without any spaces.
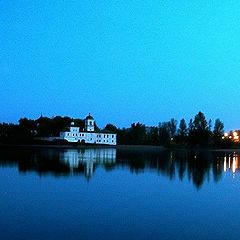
{"x":106,"y":193}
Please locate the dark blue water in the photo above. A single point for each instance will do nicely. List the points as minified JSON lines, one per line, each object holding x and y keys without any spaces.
{"x":119,"y":194}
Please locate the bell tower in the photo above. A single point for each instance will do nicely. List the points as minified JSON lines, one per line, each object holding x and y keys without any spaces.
{"x":89,"y":123}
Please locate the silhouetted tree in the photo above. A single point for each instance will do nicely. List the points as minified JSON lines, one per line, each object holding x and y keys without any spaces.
{"x":190,"y":126}
{"x":218,"y":132}
{"x":164,"y":133}
{"x":218,"y":128}
{"x":44,"y":127}
{"x":172,"y":125}
{"x":110,"y":127}
{"x":9,"y":133}
{"x":122,"y":136}
{"x":58,"y":124}
{"x":200,"y":122}
{"x":152,"y":136}
{"x":210,"y":125}
{"x":199,"y":133}
{"x":137,"y":133}
{"x":80,"y":123}
{"x":27,"y":127}
{"x":182,"y":131}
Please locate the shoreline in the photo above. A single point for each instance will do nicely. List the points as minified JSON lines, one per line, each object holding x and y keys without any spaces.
{"x":72,"y":146}
{"x":117,"y":147}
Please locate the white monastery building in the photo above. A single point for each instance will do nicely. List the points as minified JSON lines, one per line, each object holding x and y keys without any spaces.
{"x":88,"y":135}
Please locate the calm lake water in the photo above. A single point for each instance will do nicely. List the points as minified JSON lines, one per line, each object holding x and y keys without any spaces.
{"x":106,"y":193}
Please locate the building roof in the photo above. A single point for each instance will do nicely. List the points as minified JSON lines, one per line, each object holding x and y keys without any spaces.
{"x":89,"y":117}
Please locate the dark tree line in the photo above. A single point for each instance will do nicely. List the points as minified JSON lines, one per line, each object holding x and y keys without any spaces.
{"x":27,"y":130}
{"x":198,"y":132}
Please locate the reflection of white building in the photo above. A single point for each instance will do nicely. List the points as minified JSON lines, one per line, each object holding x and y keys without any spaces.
{"x":88,"y":158}
{"x":89,"y":135}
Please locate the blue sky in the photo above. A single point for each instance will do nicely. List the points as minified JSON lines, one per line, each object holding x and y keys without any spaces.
{"x":123,"y":61}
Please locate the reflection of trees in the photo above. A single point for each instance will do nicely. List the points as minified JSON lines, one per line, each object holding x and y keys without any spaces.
{"x":58,"y":162}
{"x":196,"y":166}
{"x":34,"y":160}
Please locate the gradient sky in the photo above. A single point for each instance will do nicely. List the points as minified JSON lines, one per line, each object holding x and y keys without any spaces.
{"x":123,"y":61}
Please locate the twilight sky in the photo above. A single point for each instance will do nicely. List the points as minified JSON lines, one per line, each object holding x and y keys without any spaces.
{"x":123,"y":61}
